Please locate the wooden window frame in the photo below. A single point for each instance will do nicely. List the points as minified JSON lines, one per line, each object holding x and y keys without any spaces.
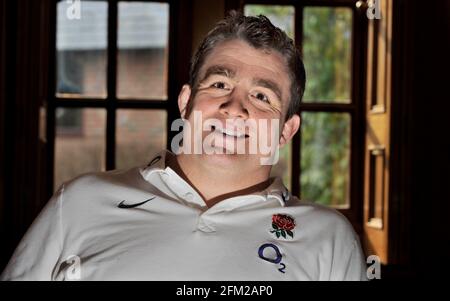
{"x":179,"y":46}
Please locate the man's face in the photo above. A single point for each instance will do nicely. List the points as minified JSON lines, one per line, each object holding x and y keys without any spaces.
{"x":237,"y":84}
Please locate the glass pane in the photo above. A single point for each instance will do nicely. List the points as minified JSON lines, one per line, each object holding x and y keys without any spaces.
{"x":79,"y":142}
{"x":139,"y":135}
{"x":81,"y":49}
{"x":283,"y":168}
{"x":143,"y":50}
{"x":327,"y":54}
{"x":325,"y":158}
{"x":281,"y":16}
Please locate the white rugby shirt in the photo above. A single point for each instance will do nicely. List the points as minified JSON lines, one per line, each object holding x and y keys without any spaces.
{"x":149,"y":224}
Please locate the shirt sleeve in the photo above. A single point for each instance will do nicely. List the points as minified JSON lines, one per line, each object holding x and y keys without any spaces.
{"x":39,"y":250}
{"x":350,"y":266}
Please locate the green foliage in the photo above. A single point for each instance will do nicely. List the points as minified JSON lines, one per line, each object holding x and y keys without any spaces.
{"x":327,"y":54}
{"x":325,"y":157}
{"x":281,"y":16}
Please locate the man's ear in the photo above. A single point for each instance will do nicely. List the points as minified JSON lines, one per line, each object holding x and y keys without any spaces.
{"x":183,"y":99}
{"x":290,"y":127}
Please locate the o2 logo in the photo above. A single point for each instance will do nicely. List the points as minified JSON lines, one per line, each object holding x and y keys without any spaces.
{"x":274,"y":257}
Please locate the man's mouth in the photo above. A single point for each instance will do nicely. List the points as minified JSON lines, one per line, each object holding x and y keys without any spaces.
{"x":228,"y":132}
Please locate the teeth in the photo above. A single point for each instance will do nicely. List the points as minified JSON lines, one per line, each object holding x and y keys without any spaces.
{"x":231,"y":133}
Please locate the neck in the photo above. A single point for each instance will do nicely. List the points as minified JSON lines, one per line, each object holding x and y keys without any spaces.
{"x":217,"y":184}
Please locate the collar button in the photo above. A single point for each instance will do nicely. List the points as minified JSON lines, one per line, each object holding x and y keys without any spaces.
{"x":189,"y":196}
{"x":207,"y":227}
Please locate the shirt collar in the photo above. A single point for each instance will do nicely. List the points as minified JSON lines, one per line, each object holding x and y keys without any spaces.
{"x":156,"y":172}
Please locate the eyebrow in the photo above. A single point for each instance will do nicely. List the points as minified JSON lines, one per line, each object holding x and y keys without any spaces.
{"x":267,"y":83}
{"x":218,"y":70}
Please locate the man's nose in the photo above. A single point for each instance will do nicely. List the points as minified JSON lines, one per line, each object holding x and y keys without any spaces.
{"x":234,"y":106}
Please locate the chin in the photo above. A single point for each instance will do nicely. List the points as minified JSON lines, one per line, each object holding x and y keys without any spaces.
{"x":225,"y":158}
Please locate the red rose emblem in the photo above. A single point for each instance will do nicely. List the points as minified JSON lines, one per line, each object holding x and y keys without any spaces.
{"x":282,"y":224}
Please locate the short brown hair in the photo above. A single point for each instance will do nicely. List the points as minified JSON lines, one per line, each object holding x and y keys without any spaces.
{"x":260,"y":33}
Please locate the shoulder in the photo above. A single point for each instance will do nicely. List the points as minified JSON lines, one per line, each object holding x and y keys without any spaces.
{"x":101,"y":188}
{"x":321,"y":220}
{"x":92,"y":183}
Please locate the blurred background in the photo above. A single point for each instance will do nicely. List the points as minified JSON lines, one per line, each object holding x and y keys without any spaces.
{"x":92,"y":86}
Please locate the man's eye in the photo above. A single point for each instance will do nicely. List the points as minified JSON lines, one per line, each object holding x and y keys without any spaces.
{"x":261,"y":97}
{"x":219,"y":85}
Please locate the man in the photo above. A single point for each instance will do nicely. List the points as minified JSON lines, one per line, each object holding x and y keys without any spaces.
{"x":204,"y":214}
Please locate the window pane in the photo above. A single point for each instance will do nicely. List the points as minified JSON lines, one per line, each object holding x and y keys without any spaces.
{"x":325,"y":158}
{"x":79,"y":142}
{"x":81,"y":50}
{"x":281,"y":16}
{"x":143,"y":50}
{"x":140,"y":134}
{"x":327,"y":54}
{"x":283,"y":168}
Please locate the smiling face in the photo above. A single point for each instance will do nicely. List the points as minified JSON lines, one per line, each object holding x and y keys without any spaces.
{"x":240,"y":84}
